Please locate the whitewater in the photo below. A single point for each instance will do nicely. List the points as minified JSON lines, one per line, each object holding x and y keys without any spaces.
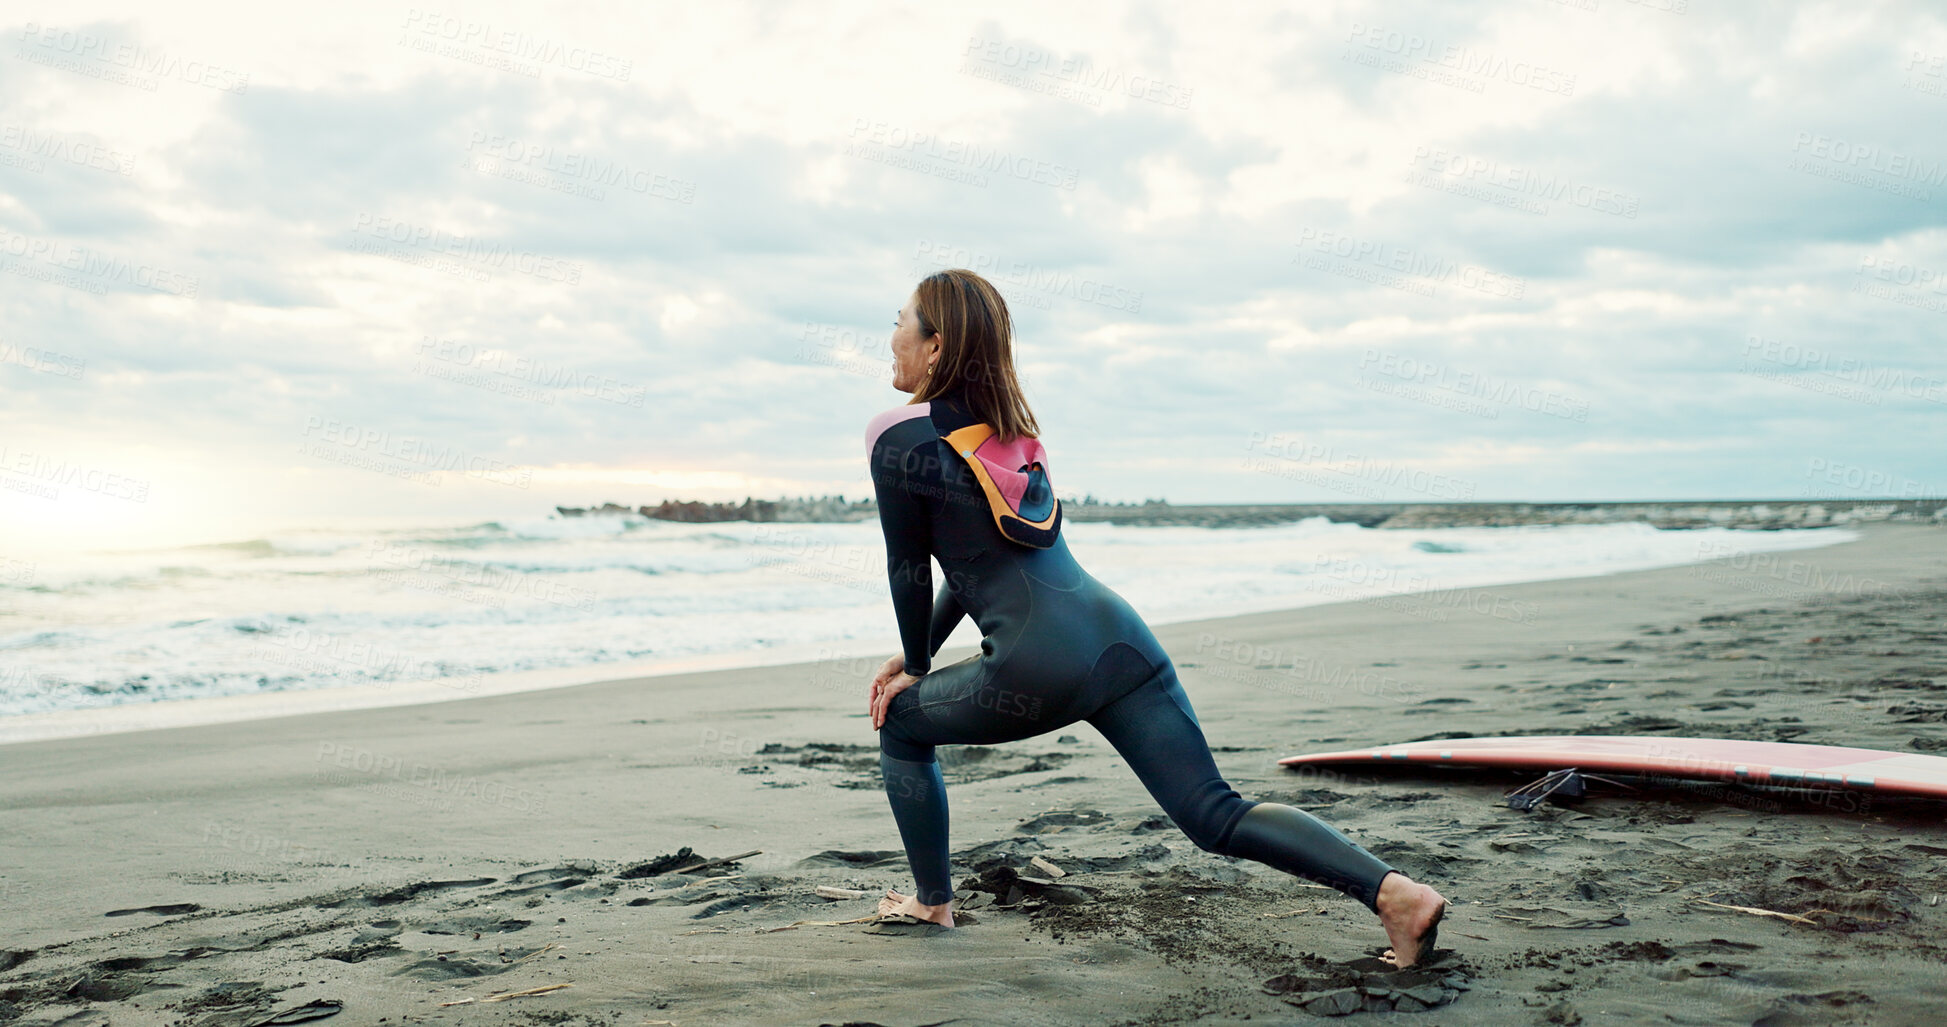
{"x":358,"y":616}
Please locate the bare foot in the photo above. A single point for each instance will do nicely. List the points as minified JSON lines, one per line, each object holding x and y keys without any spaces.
{"x":897,"y":903}
{"x":1409,"y":912}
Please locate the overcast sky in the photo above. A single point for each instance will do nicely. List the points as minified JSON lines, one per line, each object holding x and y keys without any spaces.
{"x":385,"y":260}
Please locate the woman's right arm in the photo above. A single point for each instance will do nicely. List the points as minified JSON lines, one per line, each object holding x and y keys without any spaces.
{"x":947,"y":612}
{"x":908,"y":529}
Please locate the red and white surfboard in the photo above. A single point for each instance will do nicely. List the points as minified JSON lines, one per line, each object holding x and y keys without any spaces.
{"x":1783,"y":764}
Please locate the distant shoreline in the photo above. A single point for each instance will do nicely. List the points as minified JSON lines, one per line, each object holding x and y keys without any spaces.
{"x":1760,"y":515}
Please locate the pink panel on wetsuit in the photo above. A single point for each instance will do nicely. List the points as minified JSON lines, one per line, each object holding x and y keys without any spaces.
{"x":886,"y":419}
{"x":1004,"y":461}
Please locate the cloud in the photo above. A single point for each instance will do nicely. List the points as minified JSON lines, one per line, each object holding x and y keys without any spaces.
{"x":1532,"y":248}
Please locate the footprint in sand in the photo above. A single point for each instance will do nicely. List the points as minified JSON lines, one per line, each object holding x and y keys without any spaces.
{"x":550,"y":879}
{"x":393,"y":896}
{"x":1372,"y":985}
{"x":175,"y":909}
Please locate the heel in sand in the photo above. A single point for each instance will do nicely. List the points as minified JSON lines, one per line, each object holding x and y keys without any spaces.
{"x":1429,"y":941}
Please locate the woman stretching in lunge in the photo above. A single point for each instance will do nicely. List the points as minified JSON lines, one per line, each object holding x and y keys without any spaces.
{"x":1057,"y":645}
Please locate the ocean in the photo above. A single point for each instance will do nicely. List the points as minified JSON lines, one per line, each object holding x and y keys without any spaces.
{"x":462,"y":607}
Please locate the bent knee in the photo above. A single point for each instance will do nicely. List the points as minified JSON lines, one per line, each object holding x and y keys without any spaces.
{"x":1211,"y":834}
{"x":1207,"y":841}
{"x":894,"y":741}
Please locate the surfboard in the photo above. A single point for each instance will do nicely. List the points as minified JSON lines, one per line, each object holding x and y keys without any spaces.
{"x":1780,"y":764}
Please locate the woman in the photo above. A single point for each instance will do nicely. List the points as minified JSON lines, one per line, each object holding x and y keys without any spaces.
{"x":1057,"y":646}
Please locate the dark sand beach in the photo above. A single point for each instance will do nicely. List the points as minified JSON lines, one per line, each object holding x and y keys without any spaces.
{"x":414,"y":864}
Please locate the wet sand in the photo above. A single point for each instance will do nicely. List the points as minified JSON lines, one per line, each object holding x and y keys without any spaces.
{"x":392,"y":860}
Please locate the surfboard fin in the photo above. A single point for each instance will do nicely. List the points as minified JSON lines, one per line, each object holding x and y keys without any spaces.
{"x":1557,"y":786}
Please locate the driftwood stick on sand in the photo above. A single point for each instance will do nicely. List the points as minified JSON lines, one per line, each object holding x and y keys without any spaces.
{"x":1793,"y":917}
{"x":505,"y":995}
{"x":823,"y":923}
{"x":536,"y":952}
{"x":704,"y":864}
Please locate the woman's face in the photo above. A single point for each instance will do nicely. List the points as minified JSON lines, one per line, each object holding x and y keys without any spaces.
{"x":911,"y":355}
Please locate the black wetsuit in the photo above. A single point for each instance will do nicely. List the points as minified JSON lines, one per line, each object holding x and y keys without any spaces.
{"x":1057,"y":646}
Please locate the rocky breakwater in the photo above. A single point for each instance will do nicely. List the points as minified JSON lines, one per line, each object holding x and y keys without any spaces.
{"x":821,"y":509}
{"x":1768,"y":515}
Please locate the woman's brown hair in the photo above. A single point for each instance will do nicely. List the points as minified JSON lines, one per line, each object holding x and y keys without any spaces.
{"x":976,"y":350}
